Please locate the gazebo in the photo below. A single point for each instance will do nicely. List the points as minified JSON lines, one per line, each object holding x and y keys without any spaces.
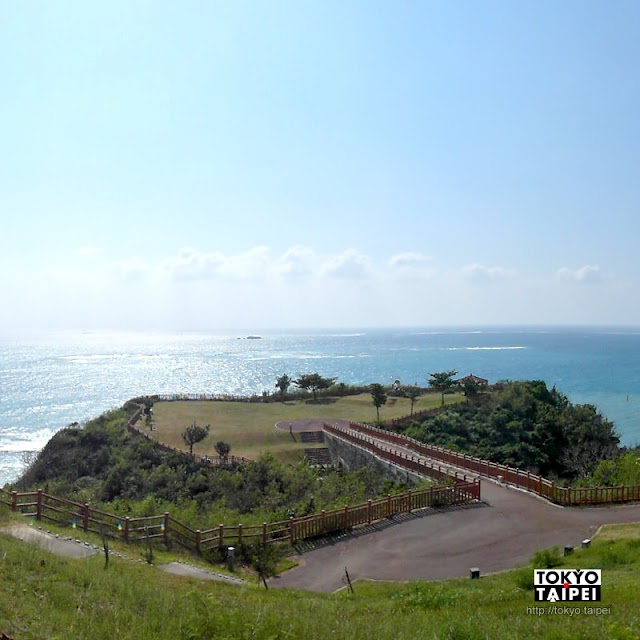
{"x":471,"y":379}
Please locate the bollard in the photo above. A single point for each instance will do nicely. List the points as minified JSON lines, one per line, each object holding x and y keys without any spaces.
{"x":586,"y":543}
{"x":231,"y":558}
{"x":568,"y":550}
{"x":475,"y":573}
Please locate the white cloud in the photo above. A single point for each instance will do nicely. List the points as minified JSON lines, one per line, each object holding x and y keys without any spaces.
{"x":131,"y":270}
{"x":349,"y":265}
{"x":251,"y":265}
{"x":479,"y":273}
{"x":296,"y":264}
{"x":411,"y":266}
{"x":191,"y":264}
{"x":588,"y":274}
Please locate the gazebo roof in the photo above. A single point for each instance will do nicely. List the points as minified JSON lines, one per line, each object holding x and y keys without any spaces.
{"x":472,"y":379}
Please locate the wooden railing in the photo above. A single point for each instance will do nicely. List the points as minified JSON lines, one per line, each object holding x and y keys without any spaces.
{"x":45,"y":507}
{"x":410,"y":463}
{"x":510,"y":475}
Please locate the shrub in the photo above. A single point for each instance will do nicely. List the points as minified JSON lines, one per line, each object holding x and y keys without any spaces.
{"x":546,"y":559}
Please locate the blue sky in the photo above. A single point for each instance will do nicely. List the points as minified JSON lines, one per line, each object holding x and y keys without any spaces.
{"x":204,"y":165}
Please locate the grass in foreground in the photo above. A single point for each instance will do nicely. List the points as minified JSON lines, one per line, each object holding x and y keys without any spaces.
{"x":45,"y":597}
{"x":250,"y":427}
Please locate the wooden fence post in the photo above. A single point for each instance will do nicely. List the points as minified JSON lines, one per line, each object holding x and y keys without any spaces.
{"x":85,"y":517}
{"x":264,"y":534}
{"x":346,"y":516}
{"x":126,"y":529}
{"x":368,"y":512}
{"x":165,"y":522}
{"x":292,"y":539}
{"x":198,"y":539}
{"x":322,"y":520}
{"x":388,"y":505}
{"x":409,"y":501}
{"x":39,"y":505}
{"x":14,"y":500}
{"x":221,"y":536}
{"x":239,"y":534}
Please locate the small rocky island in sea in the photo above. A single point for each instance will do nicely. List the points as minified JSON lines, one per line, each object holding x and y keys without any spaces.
{"x":251,"y":338}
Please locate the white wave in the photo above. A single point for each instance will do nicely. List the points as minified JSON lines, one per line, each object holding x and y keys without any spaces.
{"x":446,"y":333}
{"x":481,"y":348}
{"x":492,"y":348}
{"x":315,"y":356}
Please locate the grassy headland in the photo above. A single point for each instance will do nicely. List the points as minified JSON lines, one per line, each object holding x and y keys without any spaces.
{"x":250,"y":427}
{"x":45,"y":597}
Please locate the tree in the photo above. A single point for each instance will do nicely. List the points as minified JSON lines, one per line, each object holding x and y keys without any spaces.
{"x":194,"y":434}
{"x":223,"y":448}
{"x":313,"y":381}
{"x":379,"y":397}
{"x":442,"y":382}
{"x":471,"y":390}
{"x":282,"y":384}
{"x":412,"y":392}
{"x":590,"y":438}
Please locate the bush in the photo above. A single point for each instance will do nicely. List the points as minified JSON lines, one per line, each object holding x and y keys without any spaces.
{"x":546,"y":559}
{"x":524,"y":578}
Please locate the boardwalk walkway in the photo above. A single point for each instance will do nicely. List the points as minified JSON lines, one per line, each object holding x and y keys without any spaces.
{"x":504,"y":533}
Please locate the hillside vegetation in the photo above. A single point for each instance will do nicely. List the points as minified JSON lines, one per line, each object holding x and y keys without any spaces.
{"x":104,"y":464}
{"x":524,"y":425}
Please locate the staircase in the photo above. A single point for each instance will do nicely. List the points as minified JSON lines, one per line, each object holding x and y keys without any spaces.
{"x":318,"y":456}
{"x":312,"y":437}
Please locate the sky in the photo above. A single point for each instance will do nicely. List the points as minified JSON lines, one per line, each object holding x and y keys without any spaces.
{"x":207,"y":165}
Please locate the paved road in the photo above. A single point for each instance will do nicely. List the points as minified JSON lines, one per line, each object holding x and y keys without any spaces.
{"x":501,"y":533}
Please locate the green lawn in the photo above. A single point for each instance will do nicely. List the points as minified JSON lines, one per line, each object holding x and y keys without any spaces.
{"x":250,"y":427}
{"x":45,"y":597}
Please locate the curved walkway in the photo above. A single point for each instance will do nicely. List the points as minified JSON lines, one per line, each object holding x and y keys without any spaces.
{"x":510,"y":527}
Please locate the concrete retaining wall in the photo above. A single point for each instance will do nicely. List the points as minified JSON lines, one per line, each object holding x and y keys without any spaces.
{"x":350,"y":457}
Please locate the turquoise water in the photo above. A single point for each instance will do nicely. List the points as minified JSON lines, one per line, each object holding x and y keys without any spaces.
{"x":49,"y":380}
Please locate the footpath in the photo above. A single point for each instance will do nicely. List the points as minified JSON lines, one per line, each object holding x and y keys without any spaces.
{"x":502,"y":533}
{"x":68,"y":547}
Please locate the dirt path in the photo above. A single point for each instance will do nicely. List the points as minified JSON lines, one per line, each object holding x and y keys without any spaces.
{"x":67,"y":547}
{"x":502,"y":533}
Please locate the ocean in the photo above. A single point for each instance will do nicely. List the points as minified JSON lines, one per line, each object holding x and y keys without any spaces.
{"x":48,"y":380}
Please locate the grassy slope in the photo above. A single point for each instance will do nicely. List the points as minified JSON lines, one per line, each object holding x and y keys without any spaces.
{"x":46,"y":597}
{"x":249,"y":427}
